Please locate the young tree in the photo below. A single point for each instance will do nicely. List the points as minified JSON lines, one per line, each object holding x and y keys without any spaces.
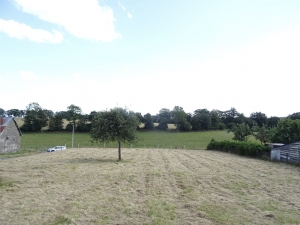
{"x":115,"y":125}
{"x":241,"y":132}
{"x":263,"y":134}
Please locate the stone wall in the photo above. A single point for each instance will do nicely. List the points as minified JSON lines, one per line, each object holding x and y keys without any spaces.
{"x":10,"y":139}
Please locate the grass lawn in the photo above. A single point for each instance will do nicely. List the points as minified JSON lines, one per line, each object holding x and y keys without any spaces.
{"x":149,"y":186}
{"x":154,"y":139}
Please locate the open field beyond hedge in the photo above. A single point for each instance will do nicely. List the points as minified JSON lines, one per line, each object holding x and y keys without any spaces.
{"x":150,"y":139}
{"x":150,"y":186}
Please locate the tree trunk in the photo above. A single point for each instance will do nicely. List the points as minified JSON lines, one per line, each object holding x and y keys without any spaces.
{"x":119,"y":148}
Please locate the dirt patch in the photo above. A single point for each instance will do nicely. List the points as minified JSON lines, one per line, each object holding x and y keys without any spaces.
{"x":150,"y":186}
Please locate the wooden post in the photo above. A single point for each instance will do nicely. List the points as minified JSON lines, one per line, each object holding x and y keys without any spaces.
{"x":119,"y":150}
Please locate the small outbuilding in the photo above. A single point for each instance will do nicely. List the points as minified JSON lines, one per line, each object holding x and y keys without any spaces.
{"x":10,"y":135}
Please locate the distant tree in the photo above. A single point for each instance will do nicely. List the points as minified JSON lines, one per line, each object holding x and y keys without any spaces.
{"x":263,"y":134}
{"x":148,"y":122}
{"x":272,"y":121}
{"x":55,"y":123}
{"x":294,"y":116}
{"x":140,"y":118}
{"x":13,"y":112}
{"x":73,"y":113}
{"x":251,"y":123}
{"x":92,"y":114}
{"x":180,"y":119}
{"x":165,"y":114}
{"x":82,"y":124}
{"x":155,"y":118}
{"x":201,"y":122}
{"x":239,"y":119}
{"x":229,"y":115}
{"x":215,"y":120}
{"x":48,"y":113}
{"x":163,"y":124}
{"x":241,"y":132}
{"x":259,"y":117}
{"x":115,"y":125}
{"x":189,"y":117}
{"x":2,"y":112}
{"x":62,"y":114}
{"x":286,"y":131}
{"x":35,"y":118}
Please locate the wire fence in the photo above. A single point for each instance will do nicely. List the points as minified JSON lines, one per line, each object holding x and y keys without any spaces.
{"x":44,"y":148}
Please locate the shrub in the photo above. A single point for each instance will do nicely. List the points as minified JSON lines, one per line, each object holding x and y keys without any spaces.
{"x":240,"y":148}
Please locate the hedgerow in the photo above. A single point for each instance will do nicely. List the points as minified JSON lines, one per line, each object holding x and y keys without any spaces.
{"x":240,"y":148}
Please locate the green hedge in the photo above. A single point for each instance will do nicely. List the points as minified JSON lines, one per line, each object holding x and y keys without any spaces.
{"x":240,"y":148}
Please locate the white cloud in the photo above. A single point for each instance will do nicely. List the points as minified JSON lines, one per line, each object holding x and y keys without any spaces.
{"x":28,"y":75}
{"x":119,"y":3}
{"x":129,"y":15}
{"x":83,"y":19}
{"x":22,"y":31}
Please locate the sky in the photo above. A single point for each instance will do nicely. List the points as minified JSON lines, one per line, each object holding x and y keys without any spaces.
{"x":149,"y":55}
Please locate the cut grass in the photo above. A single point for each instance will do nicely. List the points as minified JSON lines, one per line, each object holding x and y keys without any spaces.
{"x":152,"y":186}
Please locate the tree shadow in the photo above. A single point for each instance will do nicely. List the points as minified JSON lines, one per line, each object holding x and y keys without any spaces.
{"x":93,"y":160}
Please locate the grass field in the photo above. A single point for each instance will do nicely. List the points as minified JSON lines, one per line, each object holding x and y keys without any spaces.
{"x":155,"y":139}
{"x":150,"y":186}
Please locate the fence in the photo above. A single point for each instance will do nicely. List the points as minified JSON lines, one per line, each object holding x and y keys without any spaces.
{"x":290,"y":153}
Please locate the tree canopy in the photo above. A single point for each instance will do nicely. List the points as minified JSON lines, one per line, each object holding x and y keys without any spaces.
{"x":180,"y":119}
{"x":35,"y":118}
{"x":118,"y":124}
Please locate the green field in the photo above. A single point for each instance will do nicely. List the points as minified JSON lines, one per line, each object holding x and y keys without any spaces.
{"x":155,"y":139}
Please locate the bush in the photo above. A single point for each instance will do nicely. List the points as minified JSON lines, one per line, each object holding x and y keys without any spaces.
{"x":240,"y":148}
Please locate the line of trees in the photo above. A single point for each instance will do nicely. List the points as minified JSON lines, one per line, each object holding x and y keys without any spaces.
{"x":258,"y":124}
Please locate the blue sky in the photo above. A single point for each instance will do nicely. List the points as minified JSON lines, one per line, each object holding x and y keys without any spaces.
{"x":149,"y":55}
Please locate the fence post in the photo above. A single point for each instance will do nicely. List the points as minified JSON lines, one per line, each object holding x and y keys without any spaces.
{"x":171,"y":146}
{"x":287,"y":157}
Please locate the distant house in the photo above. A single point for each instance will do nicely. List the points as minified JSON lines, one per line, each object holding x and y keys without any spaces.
{"x":9,"y":135}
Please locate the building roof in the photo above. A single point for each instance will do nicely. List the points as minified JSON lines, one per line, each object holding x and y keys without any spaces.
{"x":4,"y":121}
